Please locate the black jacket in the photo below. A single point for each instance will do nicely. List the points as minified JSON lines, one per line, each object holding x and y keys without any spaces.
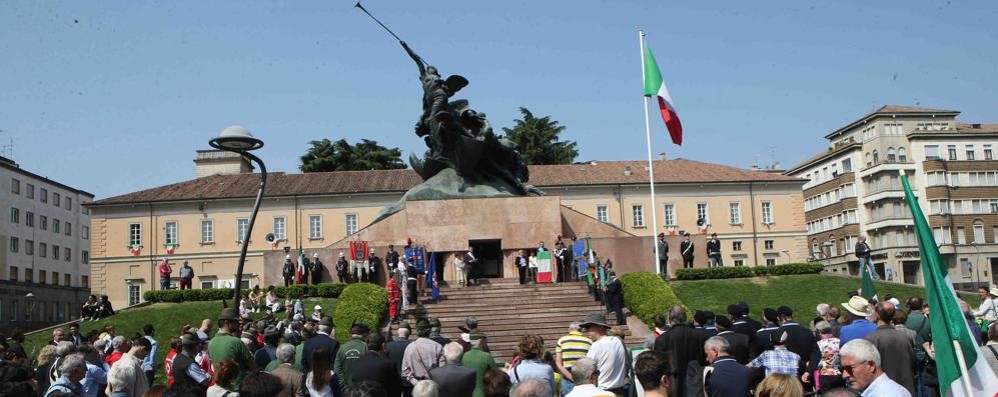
{"x":800,"y":340}
{"x":684,"y":251}
{"x":331,"y":346}
{"x":738,"y":346}
{"x":682,"y":344}
{"x":379,"y":369}
{"x":454,"y":380}
{"x":713,"y":247}
{"x":730,"y":379}
{"x":614,"y":295}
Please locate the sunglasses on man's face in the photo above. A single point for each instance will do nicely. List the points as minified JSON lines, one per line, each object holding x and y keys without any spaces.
{"x":850,"y":368}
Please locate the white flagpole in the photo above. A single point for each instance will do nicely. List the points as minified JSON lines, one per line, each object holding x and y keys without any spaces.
{"x":651,"y":168}
{"x":962,"y":363}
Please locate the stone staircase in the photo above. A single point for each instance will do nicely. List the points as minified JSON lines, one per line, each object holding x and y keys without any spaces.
{"x":506,"y":311}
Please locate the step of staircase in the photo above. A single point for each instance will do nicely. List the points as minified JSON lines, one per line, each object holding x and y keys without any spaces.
{"x":506,"y":311}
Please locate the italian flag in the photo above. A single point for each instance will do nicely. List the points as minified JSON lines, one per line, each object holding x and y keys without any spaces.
{"x":300,"y":269}
{"x":962,"y":368}
{"x":655,"y":86}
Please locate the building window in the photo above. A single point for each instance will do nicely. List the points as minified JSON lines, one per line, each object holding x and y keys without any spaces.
{"x":67,"y":254}
{"x":602,"y":213}
{"x":15,"y":215}
{"x":55,"y":226}
{"x":902,"y":155}
{"x":15,"y":186}
{"x":970,"y":152}
{"x":43,"y":250}
{"x":55,"y":252}
{"x":242,"y":225}
{"x":29,"y":218}
{"x":84,"y":281}
{"x":68,"y":203}
{"x":13,"y":273}
{"x":86,"y":232}
{"x":208,"y":284}
{"x":847,"y":165}
{"x":771,"y":261}
{"x":134,"y":234}
{"x":280,"y":228}
{"x":988,"y":155}
{"x":171,"y":237}
{"x":69,"y":229}
{"x":768,"y":244}
{"x":29,"y":247}
{"x":350,"y":220}
{"x":638,"y":214}
{"x":56,"y":199}
{"x":85,"y":257}
{"x":84,"y":210}
{"x":961,"y":235}
{"x":207,"y":231}
{"x":994,"y":234}
{"x":67,"y":280}
{"x":703,"y":213}
{"x":735,"y":213}
{"x":869,"y":160}
{"x":43,"y":195}
{"x":931,"y":152}
{"x":952,"y":151}
{"x":767,"y":212}
{"x":29,"y":191}
{"x":15,"y":244}
{"x":315,"y":226}
{"x":134,"y":292}
{"x":891,"y":155}
{"x":43,"y":222}
{"x":43,"y":276}
{"x":736,"y":245}
{"x":876,"y":157}
{"x":670,"y":215}
{"x":739,"y":262}
{"x":978,"y":233}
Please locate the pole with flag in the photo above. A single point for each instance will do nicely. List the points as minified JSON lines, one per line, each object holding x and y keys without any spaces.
{"x":962,"y":369}
{"x":300,"y":269}
{"x":654,"y":85}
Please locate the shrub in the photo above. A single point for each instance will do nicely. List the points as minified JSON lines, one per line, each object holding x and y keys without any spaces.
{"x":324,"y":290}
{"x":646,"y":295}
{"x":362,"y":302}
{"x":714,"y":273}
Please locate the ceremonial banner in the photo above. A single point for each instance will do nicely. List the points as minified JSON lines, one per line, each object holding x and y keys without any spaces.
{"x":434,"y":285}
{"x":579,"y":252}
{"x":358,"y":251}
{"x":544,"y":267}
{"x":414,"y":254}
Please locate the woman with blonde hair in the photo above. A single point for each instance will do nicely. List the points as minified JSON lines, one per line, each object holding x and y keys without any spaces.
{"x":531,"y":363}
{"x":779,"y":385}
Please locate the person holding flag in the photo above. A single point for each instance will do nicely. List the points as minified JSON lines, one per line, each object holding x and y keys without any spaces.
{"x":960,"y":365}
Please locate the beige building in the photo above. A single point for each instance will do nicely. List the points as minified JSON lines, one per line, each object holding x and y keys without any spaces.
{"x":854,"y":189}
{"x":757,"y":215}
{"x":44,"y":249}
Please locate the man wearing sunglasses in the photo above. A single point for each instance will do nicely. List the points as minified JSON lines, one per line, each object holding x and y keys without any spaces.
{"x":860,"y":363}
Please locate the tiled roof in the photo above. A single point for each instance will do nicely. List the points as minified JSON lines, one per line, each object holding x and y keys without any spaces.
{"x":968,"y":127}
{"x":891,"y":109}
{"x":318,"y":183}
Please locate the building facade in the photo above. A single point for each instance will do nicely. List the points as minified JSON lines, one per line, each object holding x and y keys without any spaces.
{"x":757,"y":215}
{"x":854,"y":189}
{"x":45,"y":249}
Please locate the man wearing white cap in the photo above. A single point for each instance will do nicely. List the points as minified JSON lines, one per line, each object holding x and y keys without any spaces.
{"x":373,"y":266}
{"x":341,"y":268}
{"x":315,"y":268}
{"x":289,"y":270}
{"x":317,"y":313}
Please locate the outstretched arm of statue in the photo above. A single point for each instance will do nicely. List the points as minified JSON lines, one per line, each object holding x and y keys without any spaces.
{"x":415,"y":58}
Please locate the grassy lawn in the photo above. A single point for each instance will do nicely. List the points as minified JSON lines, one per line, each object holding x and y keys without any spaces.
{"x":168,"y":319}
{"x":801,"y":292}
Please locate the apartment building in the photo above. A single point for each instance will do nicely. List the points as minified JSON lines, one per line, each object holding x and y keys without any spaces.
{"x":44,"y":249}
{"x":854,"y":189}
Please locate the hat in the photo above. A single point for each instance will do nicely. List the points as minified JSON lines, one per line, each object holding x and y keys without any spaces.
{"x":744,"y":306}
{"x":251,"y":335}
{"x":709,"y":315}
{"x":735,"y":310}
{"x":317,"y":308}
{"x":723,"y":321}
{"x":700,"y":317}
{"x":422,"y":324}
{"x":434,"y":322}
{"x":404,"y":324}
{"x":229,"y":313}
{"x":895,"y":302}
{"x":858,"y":305}
{"x":326,"y":321}
{"x":315,"y":255}
{"x":360,"y":328}
{"x":372,"y":250}
{"x":785,"y":311}
{"x":476,"y":335}
{"x":595,"y":319}
{"x":778,"y":337}
{"x":271,"y":331}
{"x":287,"y":256}
{"x":661,"y":234}
{"x":189,"y":339}
{"x":770,"y":314}
{"x":993,"y":291}
{"x":341,"y":255}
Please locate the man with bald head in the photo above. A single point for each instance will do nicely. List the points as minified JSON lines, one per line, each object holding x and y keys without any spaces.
{"x":893,"y":344}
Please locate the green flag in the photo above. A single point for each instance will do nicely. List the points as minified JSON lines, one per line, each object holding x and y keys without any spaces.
{"x":866,"y":286}
{"x":950,"y":333}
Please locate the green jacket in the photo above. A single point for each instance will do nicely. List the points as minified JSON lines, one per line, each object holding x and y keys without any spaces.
{"x":348,"y":354}
{"x":480,"y":361}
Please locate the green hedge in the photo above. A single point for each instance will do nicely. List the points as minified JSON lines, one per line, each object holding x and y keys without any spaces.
{"x":324,"y":290}
{"x":362,"y":302}
{"x":646,"y":294}
{"x":713,"y":273}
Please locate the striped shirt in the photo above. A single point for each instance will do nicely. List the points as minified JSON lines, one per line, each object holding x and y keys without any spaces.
{"x":572,"y":347}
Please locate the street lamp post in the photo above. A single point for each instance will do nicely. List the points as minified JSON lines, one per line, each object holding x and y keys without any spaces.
{"x":238,"y":140}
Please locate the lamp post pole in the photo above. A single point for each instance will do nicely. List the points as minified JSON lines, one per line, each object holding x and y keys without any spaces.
{"x":238,"y":140}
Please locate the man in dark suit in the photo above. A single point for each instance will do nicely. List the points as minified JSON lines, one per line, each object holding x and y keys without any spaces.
{"x":729,"y":378}
{"x":374,"y":366}
{"x":682,"y":344}
{"x":395,"y":351}
{"x":322,"y":339}
{"x":452,"y":378}
{"x":800,"y":340}
{"x":762,"y":342}
{"x":738,"y":344}
{"x":703,"y":322}
{"x":615,"y":298}
{"x":521,"y":266}
{"x":897,"y":350}
{"x":686,"y":250}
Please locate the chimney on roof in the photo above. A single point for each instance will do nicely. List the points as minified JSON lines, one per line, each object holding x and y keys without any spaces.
{"x":627,"y":170}
{"x":661,"y":156}
{"x":212,"y":162}
{"x":975,"y":126}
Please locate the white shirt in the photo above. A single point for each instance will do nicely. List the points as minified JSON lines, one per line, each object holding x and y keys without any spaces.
{"x":885,"y":387}
{"x":988,"y":309}
{"x":609,"y":354}
{"x":588,"y":390}
{"x":326,"y":391}
{"x":219,"y":391}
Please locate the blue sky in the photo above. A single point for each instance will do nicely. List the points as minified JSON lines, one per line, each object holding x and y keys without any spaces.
{"x":116,"y":96}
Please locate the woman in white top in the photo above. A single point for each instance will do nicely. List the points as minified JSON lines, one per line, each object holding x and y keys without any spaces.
{"x":272,"y":301}
{"x":319,"y":379}
{"x":532,"y":267}
{"x":989,"y":304}
{"x":459,"y":266}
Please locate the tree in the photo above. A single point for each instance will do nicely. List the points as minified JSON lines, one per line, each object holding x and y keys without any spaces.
{"x":536,"y":139}
{"x":326,"y":155}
